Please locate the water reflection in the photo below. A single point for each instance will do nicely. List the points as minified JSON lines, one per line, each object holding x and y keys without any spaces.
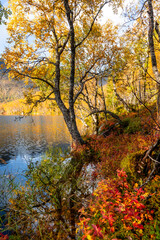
{"x":28,"y":139}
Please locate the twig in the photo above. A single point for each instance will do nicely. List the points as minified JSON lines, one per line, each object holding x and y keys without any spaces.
{"x":153,"y":160}
{"x":157,"y":161}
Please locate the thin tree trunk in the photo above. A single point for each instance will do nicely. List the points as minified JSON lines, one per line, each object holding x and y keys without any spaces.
{"x":90,"y":105}
{"x":153,"y":55}
{"x":128,"y":108}
{"x":104,"y":101}
{"x":95,"y":99}
{"x":140,"y":92}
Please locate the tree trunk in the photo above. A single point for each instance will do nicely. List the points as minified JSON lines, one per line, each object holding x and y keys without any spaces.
{"x":104,"y":101}
{"x":69,"y":120}
{"x":69,"y":116}
{"x":68,"y":113}
{"x":96,"y":107}
{"x":153,"y":55}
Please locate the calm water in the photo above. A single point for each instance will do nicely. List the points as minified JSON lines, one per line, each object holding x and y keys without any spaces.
{"x":29,"y":138}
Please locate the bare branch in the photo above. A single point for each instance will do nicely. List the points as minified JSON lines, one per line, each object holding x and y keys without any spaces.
{"x":153,"y":160}
{"x":81,"y":88}
{"x":140,"y":101}
{"x":64,"y":44}
{"x":139,"y":15}
{"x":94,"y":19}
{"x":151,"y":149}
{"x":79,"y":92}
{"x":107,"y":112}
{"x":157,"y":30}
{"x":40,"y":101}
{"x":151,"y":175}
{"x":34,"y":78}
{"x":83,"y":82}
{"x":120,"y":98}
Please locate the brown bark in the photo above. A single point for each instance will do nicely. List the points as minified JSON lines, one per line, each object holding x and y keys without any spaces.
{"x":157,"y":30}
{"x":104,"y":101}
{"x":153,"y":55}
{"x":68,"y":113}
{"x":115,"y":116}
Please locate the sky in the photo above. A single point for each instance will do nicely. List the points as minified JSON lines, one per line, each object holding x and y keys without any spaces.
{"x":107,"y":14}
{"x":3,"y":31}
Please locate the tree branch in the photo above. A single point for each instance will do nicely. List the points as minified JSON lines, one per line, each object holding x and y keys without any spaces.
{"x":119,"y":98}
{"x":94,"y":19}
{"x":107,"y":112}
{"x":34,"y":78}
{"x":40,"y":101}
{"x":157,"y":30}
{"x":83,"y":82}
{"x":156,"y":163}
{"x":64,"y":44}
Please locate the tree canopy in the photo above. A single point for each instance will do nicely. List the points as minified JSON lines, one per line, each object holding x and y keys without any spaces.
{"x":59,"y":45}
{"x":62,"y":47}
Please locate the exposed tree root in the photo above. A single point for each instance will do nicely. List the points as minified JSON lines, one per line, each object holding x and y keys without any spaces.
{"x":156,"y":162}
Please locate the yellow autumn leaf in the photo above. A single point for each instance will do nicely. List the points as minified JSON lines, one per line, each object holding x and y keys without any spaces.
{"x":89,"y":237}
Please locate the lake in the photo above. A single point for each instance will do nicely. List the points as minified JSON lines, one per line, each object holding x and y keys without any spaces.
{"x":24,"y":140}
{"x":28,"y":139}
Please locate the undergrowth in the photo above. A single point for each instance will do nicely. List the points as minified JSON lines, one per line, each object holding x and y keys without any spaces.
{"x":82,"y":195}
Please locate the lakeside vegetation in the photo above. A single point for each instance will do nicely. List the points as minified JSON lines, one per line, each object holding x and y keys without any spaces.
{"x":109,"y":192}
{"x":108,"y":185}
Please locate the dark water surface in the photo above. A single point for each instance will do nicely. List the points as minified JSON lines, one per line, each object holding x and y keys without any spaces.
{"x":28,"y":139}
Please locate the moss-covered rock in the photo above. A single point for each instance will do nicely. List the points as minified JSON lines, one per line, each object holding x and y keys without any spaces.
{"x":131,"y":163}
{"x":132,"y":125}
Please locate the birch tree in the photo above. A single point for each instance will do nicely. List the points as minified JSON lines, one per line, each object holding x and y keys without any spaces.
{"x":49,"y":45}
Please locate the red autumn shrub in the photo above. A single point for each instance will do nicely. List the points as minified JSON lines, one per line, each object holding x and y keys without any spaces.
{"x":3,"y":237}
{"x":116,"y":211}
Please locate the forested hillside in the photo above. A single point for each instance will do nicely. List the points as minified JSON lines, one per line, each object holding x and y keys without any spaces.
{"x":9,"y":89}
{"x":12,"y":96}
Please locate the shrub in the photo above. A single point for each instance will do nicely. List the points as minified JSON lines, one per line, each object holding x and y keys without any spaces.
{"x":47,"y":206}
{"x":116,"y":211}
{"x":132,"y":125}
{"x":153,"y":205}
{"x":3,"y":237}
{"x":130,"y":164}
